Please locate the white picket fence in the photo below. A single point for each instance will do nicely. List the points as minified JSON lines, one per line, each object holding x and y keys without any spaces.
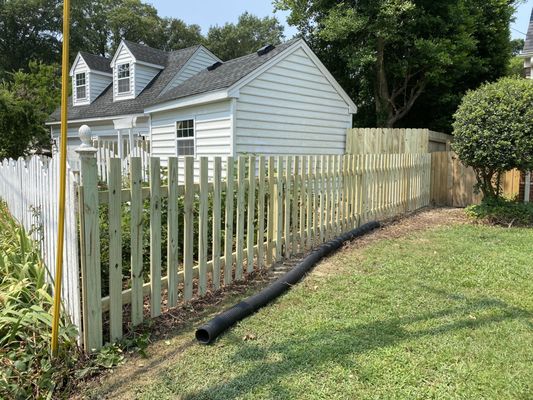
{"x":31,"y":190}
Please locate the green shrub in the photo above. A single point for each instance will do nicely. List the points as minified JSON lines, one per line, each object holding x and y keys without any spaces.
{"x":493,"y":132}
{"x":26,"y":368}
{"x":502,"y":212}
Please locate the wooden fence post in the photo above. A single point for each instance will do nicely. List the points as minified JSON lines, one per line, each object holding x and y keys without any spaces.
{"x":90,"y":247}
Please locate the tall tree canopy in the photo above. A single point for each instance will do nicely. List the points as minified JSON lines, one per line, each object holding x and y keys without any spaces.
{"x":407,"y":62}
{"x":246,"y":36}
{"x":25,"y":103}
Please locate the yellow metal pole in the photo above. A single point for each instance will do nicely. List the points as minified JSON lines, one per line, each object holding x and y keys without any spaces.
{"x":62,"y":177}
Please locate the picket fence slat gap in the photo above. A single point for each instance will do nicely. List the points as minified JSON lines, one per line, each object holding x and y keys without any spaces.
{"x":228,"y":225}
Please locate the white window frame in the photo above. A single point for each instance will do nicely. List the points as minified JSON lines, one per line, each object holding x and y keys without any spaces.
{"x":124,"y":78}
{"x":79,"y":86}
{"x":187,"y":138}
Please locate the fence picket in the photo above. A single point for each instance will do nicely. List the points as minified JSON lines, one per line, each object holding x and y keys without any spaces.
{"x":295,"y":205}
{"x":241,"y":164}
{"x":278,"y":228}
{"x":137,"y":301}
{"x":188,"y":229}
{"x":172,"y":232}
{"x":261,"y":214}
{"x":217,"y":173}
{"x":155,"y":236}
{"x":250,"y":214}
{"x":287,"y":207}
{"x":202,"y":228}
{"x":228,"y":225}
{"x":270,"y":211}
{"x":115,"y":248}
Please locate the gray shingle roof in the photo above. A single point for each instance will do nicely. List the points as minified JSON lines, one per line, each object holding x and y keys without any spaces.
{"x":222,"y":77}
{"x":528,"y":45}
{"x":205,"y":81}
{"x":104,"y":106}
{"x":147,"y":54}
{"x":97,"y":63}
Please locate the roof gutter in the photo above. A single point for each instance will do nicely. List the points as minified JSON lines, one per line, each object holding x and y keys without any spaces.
{"x":112,"y":117}
{"x":203,"y":98}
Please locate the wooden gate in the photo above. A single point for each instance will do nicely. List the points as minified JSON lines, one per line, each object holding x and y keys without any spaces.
{"x":452,"y":184}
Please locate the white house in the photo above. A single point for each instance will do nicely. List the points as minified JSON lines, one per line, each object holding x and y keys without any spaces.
{"x":527,"y":52}
{"x":278,"y":100}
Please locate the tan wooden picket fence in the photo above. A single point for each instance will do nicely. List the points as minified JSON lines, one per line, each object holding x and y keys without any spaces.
{"x":283,"y":205}
{"x":453,"y":184}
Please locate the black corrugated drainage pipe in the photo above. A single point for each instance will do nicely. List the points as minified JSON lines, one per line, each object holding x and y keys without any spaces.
{"x":209,"y":332}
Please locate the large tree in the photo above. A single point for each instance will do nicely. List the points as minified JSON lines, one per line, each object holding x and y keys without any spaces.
{"x":390,"y":54}
{"x":244,"y":37}
{"x":28,"y":30}
{"x":25,"y":103}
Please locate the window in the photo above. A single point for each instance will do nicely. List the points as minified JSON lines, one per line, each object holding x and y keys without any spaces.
{"x":185,"y":137}
{"x":81,"y":86}
{"x":123,"y":78}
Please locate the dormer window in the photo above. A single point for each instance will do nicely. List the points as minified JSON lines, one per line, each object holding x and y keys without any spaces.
{"x":81,"y":86}
{"x":123,"y":78}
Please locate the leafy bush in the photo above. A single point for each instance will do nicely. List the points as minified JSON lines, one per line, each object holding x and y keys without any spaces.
{"x":145,"y":226}
{"x":26,"y":368}
{"x":502,"y":212}
{"x":493,"y":131}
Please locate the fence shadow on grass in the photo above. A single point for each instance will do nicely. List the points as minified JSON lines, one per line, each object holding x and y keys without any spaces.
{"x":335,"y":345}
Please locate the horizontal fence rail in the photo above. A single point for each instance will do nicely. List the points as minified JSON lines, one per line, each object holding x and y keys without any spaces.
{"x":148,"y":246}
{"x":30,"y":189}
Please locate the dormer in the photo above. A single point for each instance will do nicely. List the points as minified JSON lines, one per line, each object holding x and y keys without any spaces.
{"x":90,"y":76}
{"x":134,"y":66}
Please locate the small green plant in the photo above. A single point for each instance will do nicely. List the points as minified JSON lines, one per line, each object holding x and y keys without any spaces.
{"x":26,"y":367}
{"x":502,"y":212}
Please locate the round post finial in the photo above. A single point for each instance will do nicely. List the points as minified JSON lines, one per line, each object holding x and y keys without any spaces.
{"x":85,"y":135}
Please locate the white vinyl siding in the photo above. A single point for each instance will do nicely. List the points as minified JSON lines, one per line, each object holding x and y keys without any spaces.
{"x":291,"y":109}
{"x":212,"y":129}
{"x":143,"y":76}
{"x":198,"y":62}
{"x":98,"y":84}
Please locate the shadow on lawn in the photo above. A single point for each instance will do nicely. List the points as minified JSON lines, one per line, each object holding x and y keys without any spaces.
{"x":333,"y":345}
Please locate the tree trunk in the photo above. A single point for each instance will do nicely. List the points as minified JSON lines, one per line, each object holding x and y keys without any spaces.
{"x":381,"y":88}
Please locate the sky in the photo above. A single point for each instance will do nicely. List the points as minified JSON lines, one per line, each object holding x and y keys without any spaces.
{"x":216,"y":12}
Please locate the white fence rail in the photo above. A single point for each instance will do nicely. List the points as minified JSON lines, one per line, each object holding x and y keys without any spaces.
{"x":31,"y":190}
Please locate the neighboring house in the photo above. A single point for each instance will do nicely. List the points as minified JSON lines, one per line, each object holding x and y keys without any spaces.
{"x":527,"y":52}
{"x":279,"y":100}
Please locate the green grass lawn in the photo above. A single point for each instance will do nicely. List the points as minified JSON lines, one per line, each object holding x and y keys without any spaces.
{"x":445,"y":313}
